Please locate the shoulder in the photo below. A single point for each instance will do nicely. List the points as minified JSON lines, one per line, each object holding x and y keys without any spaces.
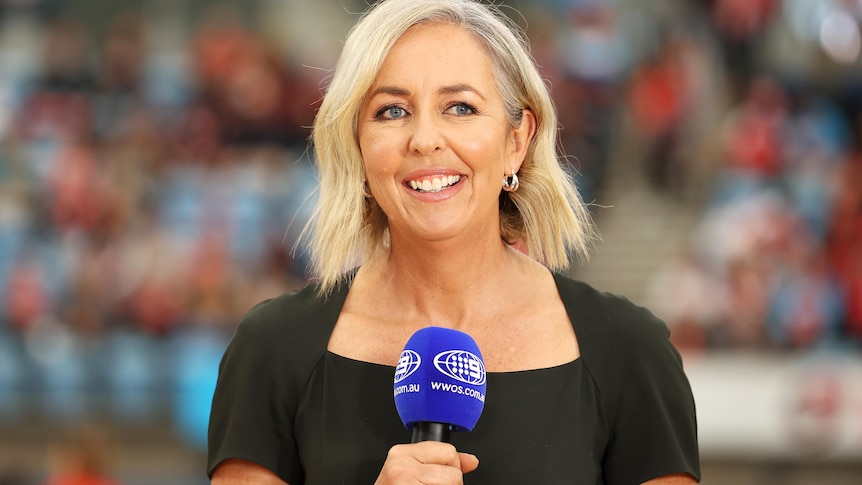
{"x":288,"y":333}
{"x":623,"y":345}
{"x":262,"y":377}
{"x":648,"y":404}
{"x":293,"y":316}
{"x":605,"y":321}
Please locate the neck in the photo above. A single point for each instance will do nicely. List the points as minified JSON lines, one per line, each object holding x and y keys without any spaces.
{"x":445,"y":283}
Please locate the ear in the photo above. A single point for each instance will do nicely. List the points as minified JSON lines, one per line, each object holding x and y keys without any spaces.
{"x":521,"y":138}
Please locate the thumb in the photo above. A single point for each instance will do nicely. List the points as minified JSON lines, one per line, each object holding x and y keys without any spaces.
{"x":468,"y":462}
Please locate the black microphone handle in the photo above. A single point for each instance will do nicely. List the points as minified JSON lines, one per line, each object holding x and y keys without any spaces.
{"x":431,"y":431}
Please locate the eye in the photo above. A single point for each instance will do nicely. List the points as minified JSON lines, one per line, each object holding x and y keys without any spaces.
{"x":391,"y":112}
{"x":461,"y":109}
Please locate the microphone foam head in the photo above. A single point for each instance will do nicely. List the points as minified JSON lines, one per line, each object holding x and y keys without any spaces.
{"x":440,"y":378}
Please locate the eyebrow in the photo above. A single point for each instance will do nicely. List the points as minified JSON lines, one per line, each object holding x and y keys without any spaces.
{"x":446,"y":90}
{"x":460,"y":88}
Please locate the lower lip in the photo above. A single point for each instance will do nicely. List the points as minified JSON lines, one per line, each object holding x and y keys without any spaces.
{"x":444,"y":194}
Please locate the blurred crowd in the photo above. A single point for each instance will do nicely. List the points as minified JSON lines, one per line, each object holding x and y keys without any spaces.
{"x":153,"y":181}
{"x":155,"y":175}
{"x":775,"y":261}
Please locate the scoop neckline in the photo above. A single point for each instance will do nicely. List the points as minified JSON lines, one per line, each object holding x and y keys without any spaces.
{"x":513,"y":372}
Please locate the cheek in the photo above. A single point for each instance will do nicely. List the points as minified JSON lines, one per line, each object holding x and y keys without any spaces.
{"x":379,"y":154}
{"x":485,"y":148}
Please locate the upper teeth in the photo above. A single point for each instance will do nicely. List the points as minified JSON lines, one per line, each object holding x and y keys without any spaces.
{"x":435,"y":184}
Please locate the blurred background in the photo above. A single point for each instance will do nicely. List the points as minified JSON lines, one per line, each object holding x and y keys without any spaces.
{"x":154,"y":176}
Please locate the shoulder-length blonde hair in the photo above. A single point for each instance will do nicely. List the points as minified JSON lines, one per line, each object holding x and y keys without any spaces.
{"x":546,"y":215}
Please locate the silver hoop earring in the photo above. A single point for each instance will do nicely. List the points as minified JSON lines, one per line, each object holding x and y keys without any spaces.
{"x":511,"y":184}
{"x":366,"y":190}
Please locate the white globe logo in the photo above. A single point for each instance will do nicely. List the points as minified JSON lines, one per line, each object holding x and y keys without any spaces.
{"x":462,"y":366}
{"x":407,"y":364}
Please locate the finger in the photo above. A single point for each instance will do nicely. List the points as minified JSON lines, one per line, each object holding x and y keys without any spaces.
{"x":468,"y":462}
{"x":431,"y":452}
{"x":428,"y":463}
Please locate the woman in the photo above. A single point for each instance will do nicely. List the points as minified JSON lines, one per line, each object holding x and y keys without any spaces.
{"x":436,"y":149}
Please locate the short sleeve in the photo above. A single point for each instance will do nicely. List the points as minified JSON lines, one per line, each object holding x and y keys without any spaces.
{"x":644,"y":392}
{"x":654,"y":426}
{"x":251,"y":409}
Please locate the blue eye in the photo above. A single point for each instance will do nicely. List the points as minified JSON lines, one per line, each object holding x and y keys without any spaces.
{"x":391,"y":113}
{"x":462,"y":109}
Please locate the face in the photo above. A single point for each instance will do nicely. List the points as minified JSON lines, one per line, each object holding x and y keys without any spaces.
{"x":435,"y":139}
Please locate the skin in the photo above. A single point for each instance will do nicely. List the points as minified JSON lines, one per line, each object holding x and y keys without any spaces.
{"x":239,"y":472}
{"x":433,"y":112}
{"x":438,"y":114}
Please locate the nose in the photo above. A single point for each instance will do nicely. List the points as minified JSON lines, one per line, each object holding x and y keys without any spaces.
{"x":426,"y":138}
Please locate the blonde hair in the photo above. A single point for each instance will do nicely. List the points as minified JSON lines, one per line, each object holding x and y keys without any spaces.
{"x":545,"y":215}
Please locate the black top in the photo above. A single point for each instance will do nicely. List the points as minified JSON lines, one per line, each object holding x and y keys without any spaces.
{"x":621,"y":414}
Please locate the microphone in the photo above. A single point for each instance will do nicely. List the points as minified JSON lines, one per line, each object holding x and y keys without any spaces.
{"x":439,"y":384}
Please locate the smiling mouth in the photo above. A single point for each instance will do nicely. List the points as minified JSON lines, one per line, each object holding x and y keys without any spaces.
{"x":435,"y":184}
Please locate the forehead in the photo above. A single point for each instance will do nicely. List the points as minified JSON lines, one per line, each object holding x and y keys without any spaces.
{"x":436,"y":53}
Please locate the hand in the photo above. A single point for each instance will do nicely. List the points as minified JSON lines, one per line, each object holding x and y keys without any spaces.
{"x":426,"y":463}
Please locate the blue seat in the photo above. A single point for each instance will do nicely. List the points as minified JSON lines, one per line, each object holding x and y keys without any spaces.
{"x":130,"y":373}
{"x":196,"y":371}
{"x":11,"y":379}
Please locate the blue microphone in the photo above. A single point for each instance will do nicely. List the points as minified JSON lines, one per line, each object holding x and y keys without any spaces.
{"x":439,"y":384}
